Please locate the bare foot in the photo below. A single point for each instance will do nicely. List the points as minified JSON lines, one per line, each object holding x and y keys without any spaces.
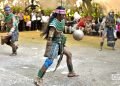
{"x":100,"y":49}
{"x":113,"y":48}
{"x":72,"y":75}
{"x":38,"y":81}
{"x":13,"y":54}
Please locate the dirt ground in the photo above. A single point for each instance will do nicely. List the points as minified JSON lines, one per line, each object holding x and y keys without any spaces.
{"x":95,"y":68}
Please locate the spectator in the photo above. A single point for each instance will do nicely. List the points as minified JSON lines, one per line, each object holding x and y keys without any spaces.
{"x":39,"y":23}
{"x":21,"y":21}
{"x":81,"y":24}
{"x":44,"y":20}
{"x":27,"y":21}
{"x":33,"y":20}
{"x":88,"y":27}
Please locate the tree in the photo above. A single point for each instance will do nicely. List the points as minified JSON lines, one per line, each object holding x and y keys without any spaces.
{"x":87,"y":6}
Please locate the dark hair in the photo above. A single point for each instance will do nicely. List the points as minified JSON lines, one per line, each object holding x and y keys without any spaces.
{"x":60,"y":7}
{"x":54,"y":15}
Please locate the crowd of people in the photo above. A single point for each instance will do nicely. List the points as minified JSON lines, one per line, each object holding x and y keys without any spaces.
{"x":28,"y":21}
{"x":89,"y":25}
{"x":37,"y":21}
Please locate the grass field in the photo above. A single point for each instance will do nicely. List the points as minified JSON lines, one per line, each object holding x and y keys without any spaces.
{"x":33,"y":37}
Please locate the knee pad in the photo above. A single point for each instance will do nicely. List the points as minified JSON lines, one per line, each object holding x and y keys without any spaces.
{"x":48,"y":62}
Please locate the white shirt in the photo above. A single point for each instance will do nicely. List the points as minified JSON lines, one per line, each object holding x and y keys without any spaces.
{"x":33,"y":16}
{"x":45,"y":19}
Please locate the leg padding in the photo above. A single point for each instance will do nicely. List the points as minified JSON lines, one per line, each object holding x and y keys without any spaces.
{"x":48,"y":62}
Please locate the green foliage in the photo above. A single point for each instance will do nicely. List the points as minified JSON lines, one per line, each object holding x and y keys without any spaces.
{"x":0,"y":9}
{"x":118,"y":13}
{"x":97,"y":10}
{"x":17,"y":8}
{"x":83,"y":14}
{"x":48,"y":11}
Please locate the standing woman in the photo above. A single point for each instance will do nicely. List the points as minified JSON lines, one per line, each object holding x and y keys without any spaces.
{"x":55,"y":44}
{"x":11,"y":25}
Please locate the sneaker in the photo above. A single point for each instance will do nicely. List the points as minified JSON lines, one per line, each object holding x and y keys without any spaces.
{"x":38,"y":81}
{"x":72,"y":74}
